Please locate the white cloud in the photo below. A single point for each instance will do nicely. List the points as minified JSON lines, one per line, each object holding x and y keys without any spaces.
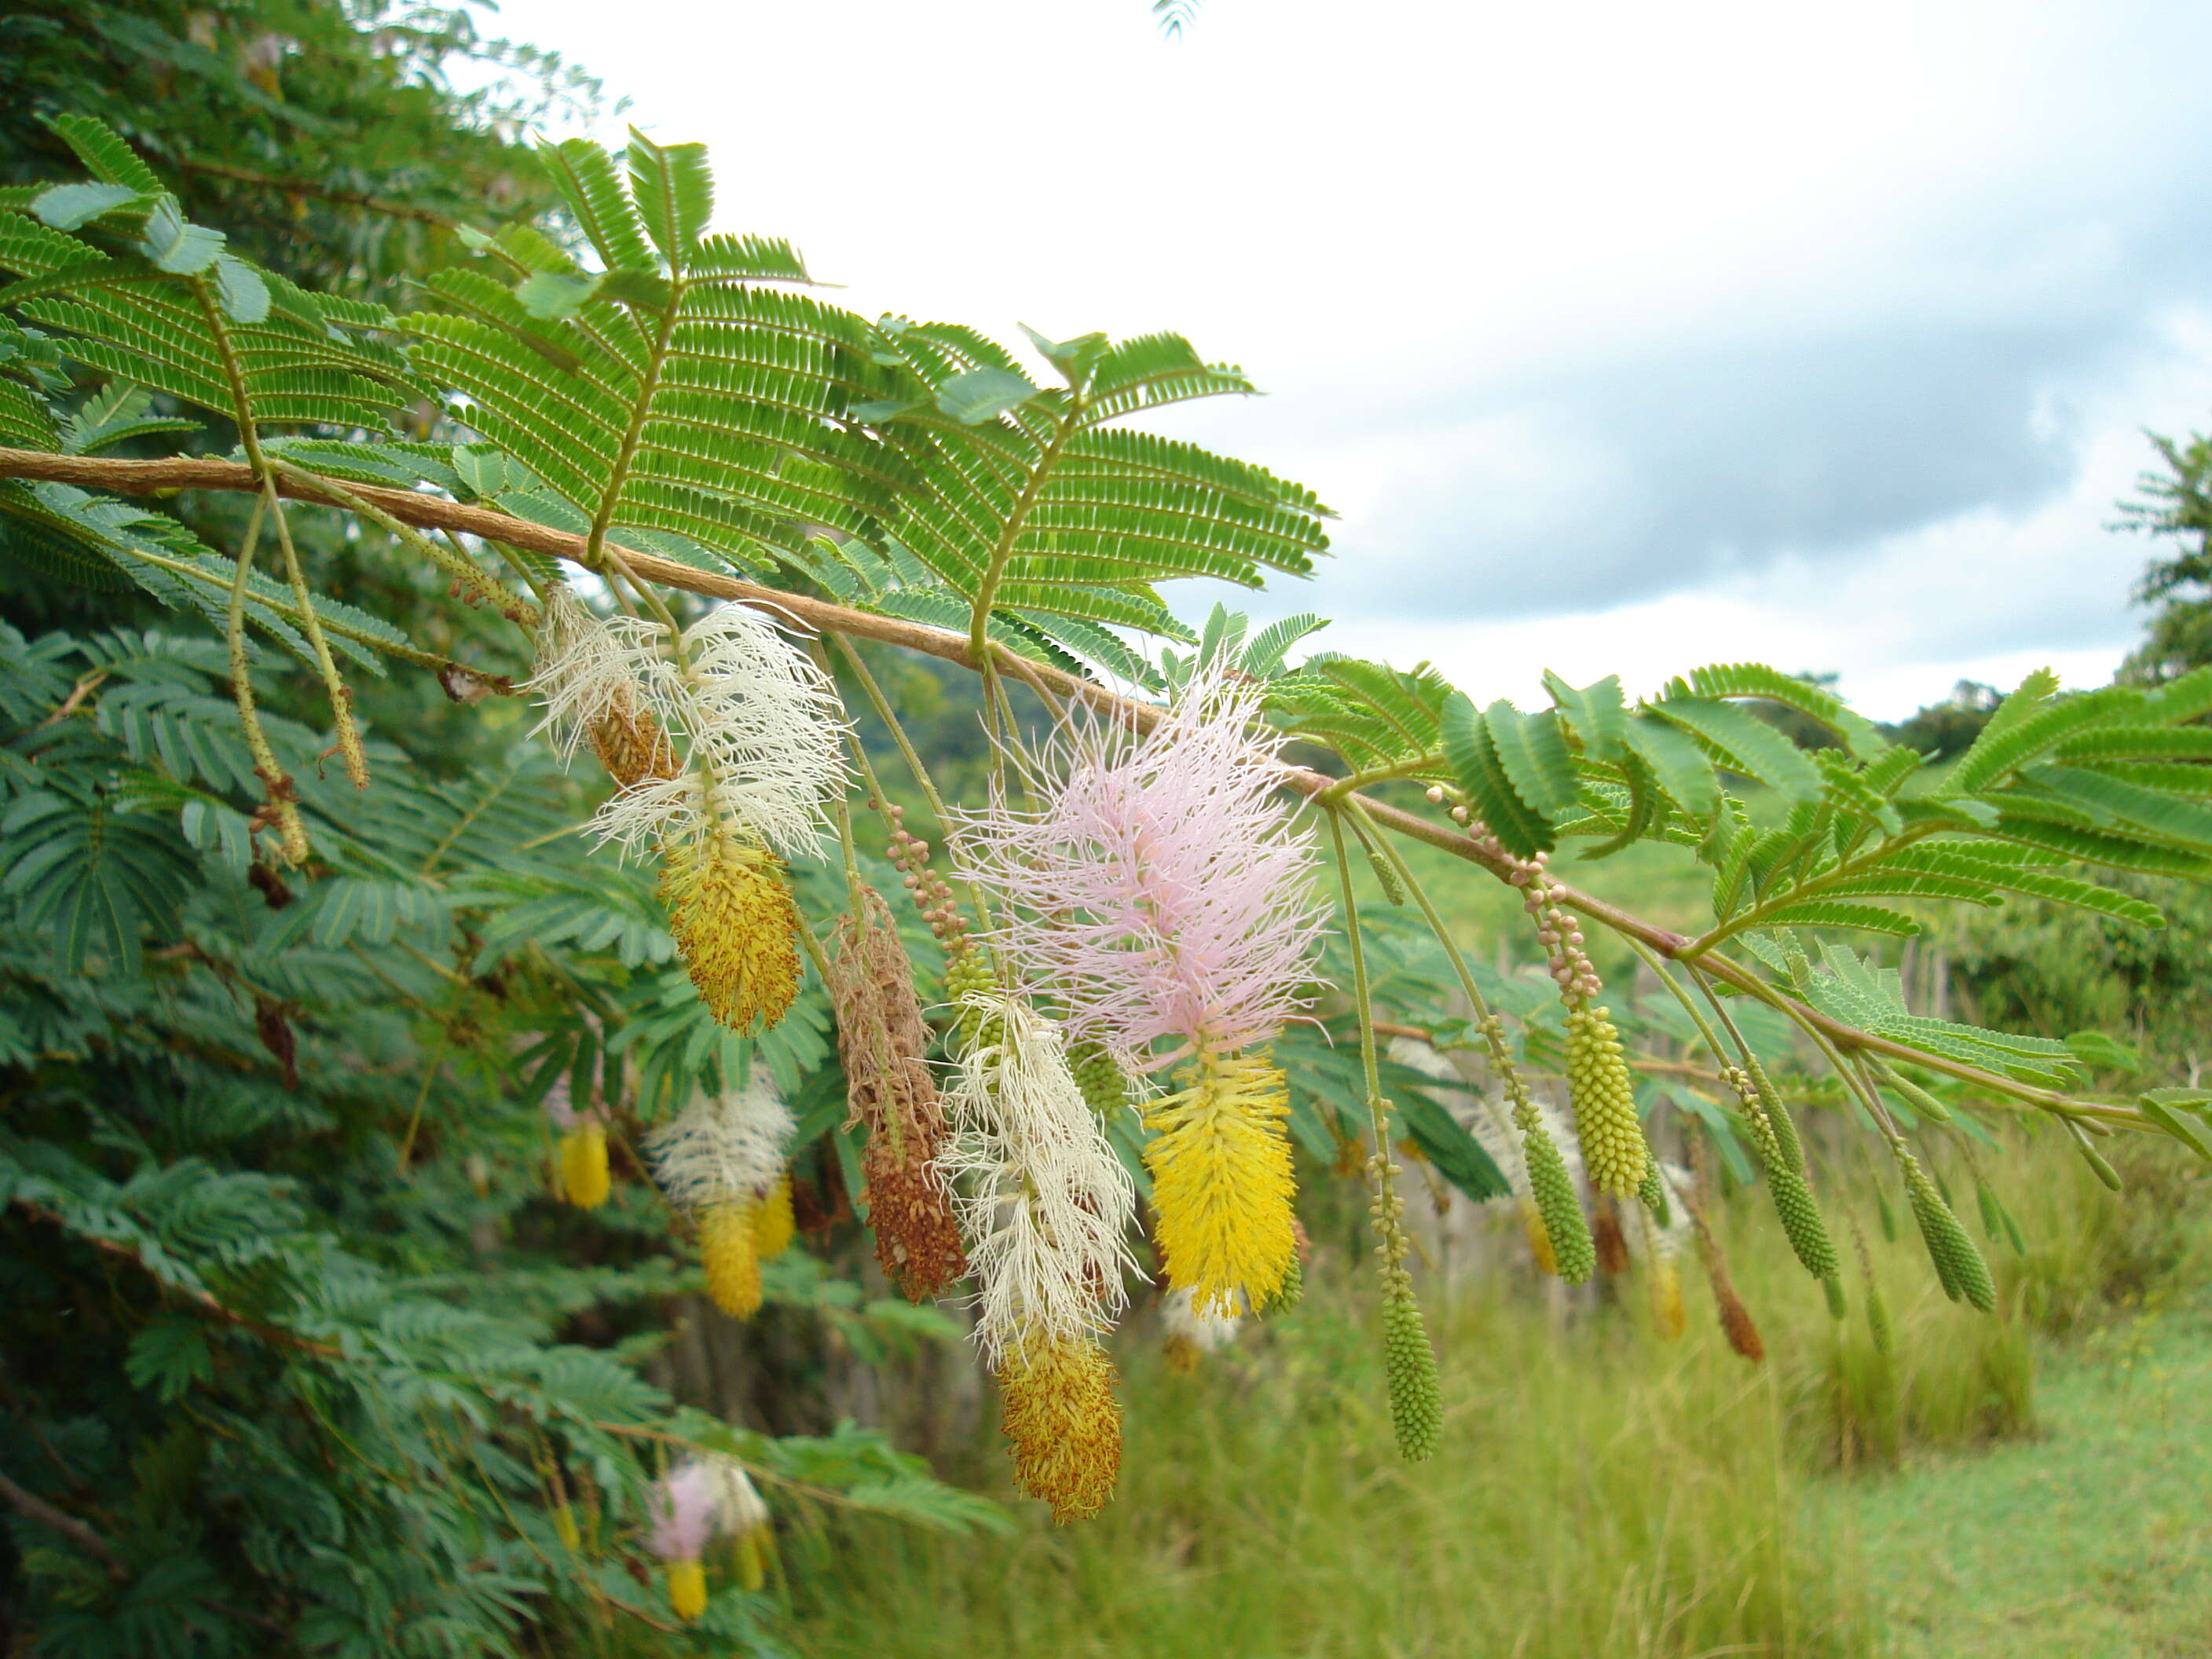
{"x":1821,"y":336}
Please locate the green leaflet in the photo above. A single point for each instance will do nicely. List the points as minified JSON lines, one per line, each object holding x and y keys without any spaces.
{"x":1473,"y":759}
{"x":1821,"y":913}
{"x":2006,"y":745}
{"x":1372,"y":715}
{"x":1533,"y":754}
{"x":1725,"y":680}
{"x":1677,"y":762}
{"x":1598,"y":713}
{"x":1742,"y":742}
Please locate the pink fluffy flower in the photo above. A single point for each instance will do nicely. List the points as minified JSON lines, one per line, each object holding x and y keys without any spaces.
{"x":685,"y":1505}
{"x":1162,"y":891}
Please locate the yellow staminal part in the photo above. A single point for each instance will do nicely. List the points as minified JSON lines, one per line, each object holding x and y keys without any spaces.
{"x":687,"y":1589}
{"x":773,"y":1225}
{"x":733,"y":918}
{"x":1668,"y":1316}
{"x":1059,"y":1410}
{"x":584,"y":1180}
{"x":750,"y":1550}
{"x":1222,"y":1182}
{"x":726,"y":1245}
{"x":1540,"y":1241}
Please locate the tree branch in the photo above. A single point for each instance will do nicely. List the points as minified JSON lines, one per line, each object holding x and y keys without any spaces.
{"x":822,"y":616}
{"x":35,"y":1508}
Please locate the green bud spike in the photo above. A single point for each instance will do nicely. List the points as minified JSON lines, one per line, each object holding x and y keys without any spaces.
{"x":1992,"y":1211}
{"x":1417,"y":1407}
{"x":1958,"y":1265}
{"x":1604,"y":1097}
{"x":1653,"y":1193}
{"x":1800,"y":1221}
{"x":1105,"y":1086}
{"x":1293,"y":1290}
{"x":1559,"y":1207}
{"x":1392,"y":890}
{"x":1884,"y":1334}
{"x":1785,"y":1126}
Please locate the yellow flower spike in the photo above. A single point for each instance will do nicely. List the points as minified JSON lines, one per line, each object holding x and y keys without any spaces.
{"x":735,"y":920}
{"x":1059,"y":1410}
{"x":774,"y":1224}
{"x":583,"y":1152}
{"x":687,"y":1589}
{"x":727,"y":1232}
{"x":1540,"y":1239}
{"x":1222,"y":1182}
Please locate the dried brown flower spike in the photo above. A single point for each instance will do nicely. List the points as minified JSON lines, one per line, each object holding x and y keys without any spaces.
{"x":884,"y":1042}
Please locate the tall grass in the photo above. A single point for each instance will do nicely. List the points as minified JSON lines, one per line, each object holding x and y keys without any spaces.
{"x":1597,"y":1492}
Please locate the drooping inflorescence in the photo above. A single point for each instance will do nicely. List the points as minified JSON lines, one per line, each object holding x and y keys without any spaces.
{"x":721,"y":1162}
{"x":1786,"y":1185}
{"x":1044,"y":1208}
{"x":1417,"y":1409}
{"x":1161,"y":895}
{"x":1599,"y":1084}
{"x":711,"y":1497}
{"x":581,"y":1151}
{"x":1189,"y":1335}
{"x":726,"y":740}
{"x":883,"y":1044}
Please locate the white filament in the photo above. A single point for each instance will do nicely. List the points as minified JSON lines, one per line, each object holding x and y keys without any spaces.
{"x":1042,"y":1202}
{"x":756,"y":724}
{"x":1180,"y":1317}
{"x":723,"y":1149}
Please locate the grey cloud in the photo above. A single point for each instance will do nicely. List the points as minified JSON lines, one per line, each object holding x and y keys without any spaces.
{"x":1710,"y":455}
{"x":1720,"y":457}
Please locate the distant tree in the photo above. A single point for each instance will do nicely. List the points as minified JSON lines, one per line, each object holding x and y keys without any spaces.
{"x":1800,"y":728}
{"x":332,"y":140}
{"x":1949,"y":727}
{"x":2176,"y":501}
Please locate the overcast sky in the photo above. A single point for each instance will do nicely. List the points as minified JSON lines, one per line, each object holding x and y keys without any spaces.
{"x":1622,"y":337}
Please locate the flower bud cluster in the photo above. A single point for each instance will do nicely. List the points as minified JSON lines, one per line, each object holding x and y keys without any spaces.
{"x":932,"y":894}
{"x":1557,"y":931}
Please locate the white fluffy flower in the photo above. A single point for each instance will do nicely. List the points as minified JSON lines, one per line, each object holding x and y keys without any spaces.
{"x":1042,"y":1202}
{"x":1181,"y":1319}
{"x":737,"y":1503}
{"x":723,"y":1149}
{"x":757,"y":724}
{"x":584,"y":673}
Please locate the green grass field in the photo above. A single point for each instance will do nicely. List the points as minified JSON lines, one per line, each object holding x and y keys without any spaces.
{"x":2029,"y":1483}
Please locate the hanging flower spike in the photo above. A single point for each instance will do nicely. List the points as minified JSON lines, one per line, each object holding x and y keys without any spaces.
{"x":720,"y":1162}
{"x":883,"y":1044}
{"x":741,"y":1513}
{"x":1044,"y":1207}
{"x":1162,"y":894}
{"x":684,"y":1510}
{"x":1041,"y":1201}
{"x":1662,"y":1241}
{"x":582,"y":1150}
{"x":758,"y":728}
{"x":1190,"y":1335}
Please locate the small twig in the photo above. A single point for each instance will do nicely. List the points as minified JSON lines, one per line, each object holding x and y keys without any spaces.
{"x":37,"y":1509}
